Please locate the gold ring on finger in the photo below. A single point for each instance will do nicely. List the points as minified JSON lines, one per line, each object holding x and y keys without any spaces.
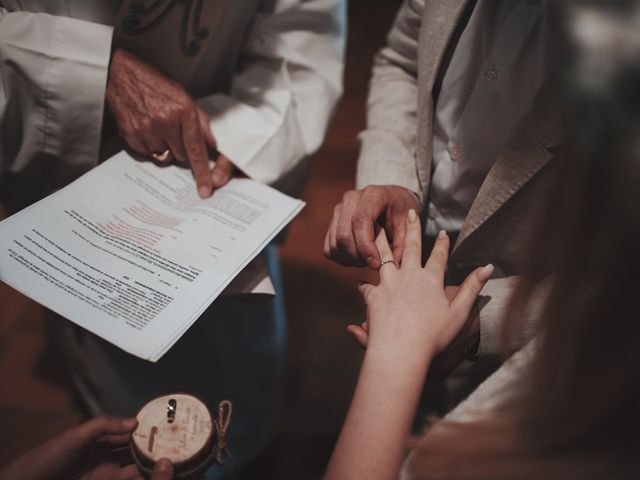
{"x":385,"y":262}
{"x":162,"y":157}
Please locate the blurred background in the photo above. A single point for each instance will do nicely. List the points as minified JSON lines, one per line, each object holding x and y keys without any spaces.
{"x":37,"y":400}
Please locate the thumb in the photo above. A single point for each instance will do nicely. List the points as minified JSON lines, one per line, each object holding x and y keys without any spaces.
{"x":163,"y":470}
{"x":222,"y":171}
{"x":359,"y":334}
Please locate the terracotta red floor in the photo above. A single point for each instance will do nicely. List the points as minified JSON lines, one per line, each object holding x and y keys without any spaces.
{"x":36,"y":399}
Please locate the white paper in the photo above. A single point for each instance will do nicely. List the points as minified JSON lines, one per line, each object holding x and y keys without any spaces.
{"x":130,"y":252}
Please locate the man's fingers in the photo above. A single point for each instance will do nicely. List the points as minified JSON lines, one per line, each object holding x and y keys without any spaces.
{"x":359,"y":335}
{"x":156,"y":146}
{"x":412,"y":248}
{"x":138,"y":145}
{"x":437,"y":261}
{"x":363,"y":225}
{"x":345,"y":240}
{"x":470,"y":289}
{"x":173,"y":138}
{"x":332,"y":249}
{"x":222,"y":171}
{"x":163,"y":470}
{"x":197,"y":153}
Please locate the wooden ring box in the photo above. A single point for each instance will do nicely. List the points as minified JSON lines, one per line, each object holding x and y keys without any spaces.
{"x":178,"y":427}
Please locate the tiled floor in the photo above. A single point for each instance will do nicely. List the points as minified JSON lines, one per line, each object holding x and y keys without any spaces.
{"x":36,"y":399}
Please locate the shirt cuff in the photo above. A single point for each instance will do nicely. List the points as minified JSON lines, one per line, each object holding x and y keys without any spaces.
{"x":262,"y":141}
{"x":75,"y":83}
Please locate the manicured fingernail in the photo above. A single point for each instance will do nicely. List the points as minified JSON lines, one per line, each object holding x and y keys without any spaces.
{"x":203,"y":192}
{"x":485,"y":273}
{"x":373,"y":263}
{"x":412,"y":216}
{"x":442,"y":234}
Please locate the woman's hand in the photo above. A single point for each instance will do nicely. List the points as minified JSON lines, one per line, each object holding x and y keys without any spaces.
{"x":408,"y":313}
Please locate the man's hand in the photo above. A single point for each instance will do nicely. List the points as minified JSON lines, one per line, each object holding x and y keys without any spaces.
{"x":350,"y":239}
{"x":155,"y":114}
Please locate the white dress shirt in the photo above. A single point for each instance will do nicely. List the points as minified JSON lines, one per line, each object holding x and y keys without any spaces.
{"x":502,"y":57}
{"x":269,"y":74}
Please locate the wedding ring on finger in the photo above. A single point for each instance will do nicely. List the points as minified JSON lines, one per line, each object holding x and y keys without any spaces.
{"x":162,"y":157}
{"x":387,"y":261}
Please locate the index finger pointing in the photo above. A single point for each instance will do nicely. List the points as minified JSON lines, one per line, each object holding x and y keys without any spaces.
{"x":197,"y":153}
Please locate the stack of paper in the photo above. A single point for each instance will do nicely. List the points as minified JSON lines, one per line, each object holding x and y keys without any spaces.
{"x":130,"y":252}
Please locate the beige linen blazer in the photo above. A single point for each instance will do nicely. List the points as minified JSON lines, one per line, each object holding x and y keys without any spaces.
{"x":396,"y":148}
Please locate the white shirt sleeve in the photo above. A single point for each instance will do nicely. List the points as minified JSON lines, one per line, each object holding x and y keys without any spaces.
{"x":283,"y":96}
{"x":53,"y":73}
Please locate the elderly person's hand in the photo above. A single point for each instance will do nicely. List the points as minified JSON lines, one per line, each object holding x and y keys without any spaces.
{"x":91,"y":451}
{"x":158,"y":118}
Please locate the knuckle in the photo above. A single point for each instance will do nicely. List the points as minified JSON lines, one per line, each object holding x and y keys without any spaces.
{"x":164,"y":118}
{"x":360,"y":218}
{"x":346,"y":196}
{"x":369,"y":190}
{"x":430,"y":277}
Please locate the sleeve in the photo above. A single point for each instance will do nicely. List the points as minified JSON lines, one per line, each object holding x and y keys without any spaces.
{"x":281,"y":101}
{"x":53,"y":73}
{"x":387,"y":146}
{"x":493,"y":304}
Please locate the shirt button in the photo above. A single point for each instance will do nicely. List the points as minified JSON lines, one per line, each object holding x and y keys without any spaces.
{"x":455,"y":153}
{"x":491,"y":76}
{"x":433,"y":213}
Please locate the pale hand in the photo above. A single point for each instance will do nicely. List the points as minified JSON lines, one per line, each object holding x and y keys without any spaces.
{"x":409,"y":313}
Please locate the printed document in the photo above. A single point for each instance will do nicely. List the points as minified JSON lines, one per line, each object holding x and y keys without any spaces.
{"x":131,"y":253}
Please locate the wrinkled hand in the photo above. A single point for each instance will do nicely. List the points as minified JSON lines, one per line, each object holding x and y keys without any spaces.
{"x":409,"y":313}
{"x":154,"y":113}
{"x":85,"y":452}
{"x":350,"y":238}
